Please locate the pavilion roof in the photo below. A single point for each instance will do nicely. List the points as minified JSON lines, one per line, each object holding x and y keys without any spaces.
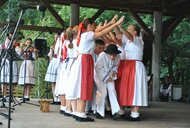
{"x":167,"y":7}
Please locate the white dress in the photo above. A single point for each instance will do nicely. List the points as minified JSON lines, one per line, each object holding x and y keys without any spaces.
{"x":75,"y":90}
{"x":52,"y":70}
{"x":133,"y":90}
{"x":27,"y":70}
{"x":64,"y":70}
{"x":5,"y":71}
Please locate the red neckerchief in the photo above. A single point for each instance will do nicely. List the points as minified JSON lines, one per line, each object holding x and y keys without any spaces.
{"x":80,"y":31}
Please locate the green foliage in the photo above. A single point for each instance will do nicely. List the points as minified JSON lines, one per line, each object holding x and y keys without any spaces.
{"x":41,"y":86}
{"x":177,"y":45}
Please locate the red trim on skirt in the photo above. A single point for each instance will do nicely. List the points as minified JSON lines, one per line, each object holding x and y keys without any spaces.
{"x":127,"y":83}
{"x":87,"y":79}
{"x":119,"y":74}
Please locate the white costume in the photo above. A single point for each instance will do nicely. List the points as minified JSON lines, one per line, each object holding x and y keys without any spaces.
{"x":133,"y":89}
{"x":5,"y":71}
{"x":103,"y":67}
{"x":76,"y":88}
{"x":64,"y":70}
{"x":27,"y":69}
{"x":51,"y":74}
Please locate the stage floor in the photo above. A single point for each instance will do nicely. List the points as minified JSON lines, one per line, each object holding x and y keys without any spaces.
{"x":158,"y":115}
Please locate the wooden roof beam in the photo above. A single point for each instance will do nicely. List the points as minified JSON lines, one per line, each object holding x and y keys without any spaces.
{"x":177,"y":2}
{"x":97,"y":14}
{"x":169,"y":26}
{"x":141,"y":23}
{"x":53,"y":12}
{"x":112,"y":5}
{"x":36,"y":28}
{"x":40,"y":28}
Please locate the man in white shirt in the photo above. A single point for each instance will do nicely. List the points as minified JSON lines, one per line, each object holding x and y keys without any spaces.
{"x":106,"y":74}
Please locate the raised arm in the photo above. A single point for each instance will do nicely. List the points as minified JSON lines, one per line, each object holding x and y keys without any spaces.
{"x":106,"y":40}
{"x":114,"y":38}
{"x":100,"y":27}
{"x":118,"y":33}
{"x":108,"y":29}
{"x":108,"y":37}
{"x":126,"y":33}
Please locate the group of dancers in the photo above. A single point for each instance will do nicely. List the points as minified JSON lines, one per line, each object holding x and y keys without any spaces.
{"x":26,"y":75}
{"x":95,"y":64}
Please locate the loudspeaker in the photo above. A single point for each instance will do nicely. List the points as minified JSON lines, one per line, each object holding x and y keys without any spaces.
{"x":41,"y":45}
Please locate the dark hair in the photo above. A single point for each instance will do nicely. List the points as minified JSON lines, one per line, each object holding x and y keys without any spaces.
{"x":100,"y":42}
{"x":29,"y":39}
{"x":87,"y":21}
{"x":137,"y":29}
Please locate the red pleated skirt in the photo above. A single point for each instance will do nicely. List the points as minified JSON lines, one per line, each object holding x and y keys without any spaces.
{"x":87,"y":79}
{"x":126,"y":84}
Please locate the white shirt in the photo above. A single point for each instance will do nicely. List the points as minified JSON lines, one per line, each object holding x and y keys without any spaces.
{"x":104,"y":64}
{"x":133,"y":50}
{"x":87,"y":43}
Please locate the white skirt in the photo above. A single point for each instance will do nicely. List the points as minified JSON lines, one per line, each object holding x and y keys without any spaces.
{"x":62,"y":79}
{"x":141,"y":87}
{"x":14,"y":72}
{"x":4,"y":71}
{"x":52,"y":72}
{"x":27,"y":73}
{"x":74,"y":80}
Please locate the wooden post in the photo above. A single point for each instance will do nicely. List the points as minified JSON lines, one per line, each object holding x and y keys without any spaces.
{"x":75,"y":9}
{"x":156,"y":54}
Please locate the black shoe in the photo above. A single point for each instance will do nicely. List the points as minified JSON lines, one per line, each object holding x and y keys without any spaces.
{"x":89,"y":112}
{"x":53,"y":103}
{"x":133,"y":119}
{"x":74,"y":117}
{"x":116,"y":116}
{"x":87,"y":119}
{"x":57,"y":103}
{"x":62,"y":112}
{"x":4,"y":100}
{"x":23,"y":100}
{"x":27,"y":99}
{"x":123,"y":116}
{"x":98,"y":116}
{"x":67,"y":114}
{"x":108,"y":112}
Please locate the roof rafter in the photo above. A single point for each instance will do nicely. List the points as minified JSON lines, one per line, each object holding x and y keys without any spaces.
{"x":97,"y":14}
{"x":36,"y":28}
{"x":53,"y":12}
{"x":167,"y":7}
{"x":141,"y":23}
{"x":169,"y":26}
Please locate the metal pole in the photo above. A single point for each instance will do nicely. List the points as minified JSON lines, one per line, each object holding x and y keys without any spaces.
{"x":5,"y":29}
{"x":9,"y":48}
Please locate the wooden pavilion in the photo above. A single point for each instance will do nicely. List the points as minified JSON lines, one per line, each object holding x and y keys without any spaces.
{"x":177,"y":10}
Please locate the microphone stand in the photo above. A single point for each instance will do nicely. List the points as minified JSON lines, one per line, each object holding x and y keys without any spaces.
{"x":9,"y":51}
{"x":1,"y":56}
{"x":5,"y":29}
